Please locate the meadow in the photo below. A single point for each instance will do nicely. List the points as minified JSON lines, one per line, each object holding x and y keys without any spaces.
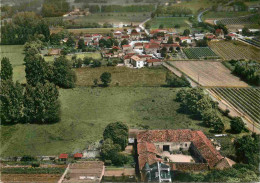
{"x":16,"y":56}
{"x":95,"y":55}
{"x":123,"y":76}
{"x":86,"y":111}
{"x":169,"y":22}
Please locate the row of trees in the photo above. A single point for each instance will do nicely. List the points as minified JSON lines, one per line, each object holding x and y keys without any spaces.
{"x":248,"y":71}
{"x":23,"y":26}
{"x":196,"y":103}
{"x":54,"y":8}
{"x":30,"y":104}
{"x":115,"y":140}
{"x":174,"y":81}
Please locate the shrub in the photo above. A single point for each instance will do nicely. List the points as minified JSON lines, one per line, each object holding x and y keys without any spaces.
{"x":237,"y":125}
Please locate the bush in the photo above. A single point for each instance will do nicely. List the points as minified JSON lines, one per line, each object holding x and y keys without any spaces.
{"x":28,"y":158}
{"x":237,"y":125}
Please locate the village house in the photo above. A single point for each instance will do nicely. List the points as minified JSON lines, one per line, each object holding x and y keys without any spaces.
{"x":168,"y":146}
{"x":186,"y":38}
{"x":154,"y":62}
{"x":220,"y":33}
{"x":63,"y":157}
{"x":152,"y":48}
{"x":137,"y":62}
{"x":78,"y":156}
{"x":127,"y":48}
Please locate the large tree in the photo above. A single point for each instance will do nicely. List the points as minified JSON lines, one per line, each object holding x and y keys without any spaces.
{"x":36,"y":69}
{"x":237,"y":125}
{"x":11,"y":102}
{"x":118,"y":133}
{"x":247,"y":149}
{"x":105,"y":78}
{"x":41,"y":104}
{"x":6,"y":69}
{"x":54,"y":8}
{"x":63,"y":75}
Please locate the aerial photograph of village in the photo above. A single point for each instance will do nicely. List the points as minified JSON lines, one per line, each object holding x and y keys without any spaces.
{"x":102,"y":91}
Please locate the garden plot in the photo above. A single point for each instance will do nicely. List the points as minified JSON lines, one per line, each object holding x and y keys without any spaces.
{"x":200,"y":53}
{"x":209,"y":74}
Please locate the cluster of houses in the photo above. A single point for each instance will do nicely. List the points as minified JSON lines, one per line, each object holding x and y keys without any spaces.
{"x":137,"y":49}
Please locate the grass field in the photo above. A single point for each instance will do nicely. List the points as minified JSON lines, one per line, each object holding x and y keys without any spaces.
{"x":95,"y":55}
{"x":123,"y":76}
{"x":86,"y":111}
{"x":16,"y":56}
{"x":195,"y":5}
{"x":169,"y":22}
{"x":235,"y":50}
{"x":209,"y":73}
{"x":126,"y":18}
{"x":87,"y":30}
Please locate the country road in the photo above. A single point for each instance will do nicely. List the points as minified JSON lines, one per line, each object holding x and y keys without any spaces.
{"x":141,"y":25}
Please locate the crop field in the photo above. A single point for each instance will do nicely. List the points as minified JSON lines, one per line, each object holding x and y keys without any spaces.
{"x":126,"y":18}
{"x":30,"y":178}
{"x":169,"y":22}
{"x":253,"y":41}
{"x":236,"y":50}
{"x":246,"y":100}
{"x":16,"y":56}
{"x":123,"y":76}
{"x":200,"y":53}
{"x":236,"y":20}
{"x":217,"y":15}
{"x":85,"y":111}
{"x":208,"y":73}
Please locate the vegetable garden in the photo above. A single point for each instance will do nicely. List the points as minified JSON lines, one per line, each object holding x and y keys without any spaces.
{"x":246,"y":100}
{"x":237,"y":20}
{"x":200,"y":53}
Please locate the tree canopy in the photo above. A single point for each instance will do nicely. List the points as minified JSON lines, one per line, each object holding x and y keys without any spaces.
{"x":6,"y":69}
{"x":118,"y":133}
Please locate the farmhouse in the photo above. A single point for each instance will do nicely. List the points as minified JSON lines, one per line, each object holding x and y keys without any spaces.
{"x":137,"y":61}
{"x":187,"y":39}
{"x":171,"y":148}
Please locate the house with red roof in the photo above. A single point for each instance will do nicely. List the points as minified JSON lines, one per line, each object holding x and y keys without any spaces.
{"x":127,"y":48}
{"x":186,"y":38}
{"x":172,"y":146}
{"x":63,"y":157}
{"x":78,"y":156}
{"x":153,"y":62}
{"x":220,"y":33}
{"x":152,"y":48}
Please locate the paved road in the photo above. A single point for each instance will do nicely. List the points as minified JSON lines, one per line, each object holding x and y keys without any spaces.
{"x":141,"y":25}
{"x":201,"y":13}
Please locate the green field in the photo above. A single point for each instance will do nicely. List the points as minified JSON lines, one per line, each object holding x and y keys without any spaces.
{"x":101,"y":18}
{"x":195,"y":5}
{"x":123,"y":76}
{"x":169,"y":22}
{"x":85,"y":113}
{"x":16,"y":56}
{"x":200,"y":53}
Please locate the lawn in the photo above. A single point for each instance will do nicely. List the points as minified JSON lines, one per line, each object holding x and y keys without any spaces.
{"x":123,"y":76}
{"x":16,"y":56}
{"x":169,"y":22}
{"x":195,"y":5}
{"x":86,"y":111}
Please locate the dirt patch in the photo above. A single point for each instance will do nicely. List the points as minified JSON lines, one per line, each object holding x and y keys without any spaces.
{"x":210,"y":74}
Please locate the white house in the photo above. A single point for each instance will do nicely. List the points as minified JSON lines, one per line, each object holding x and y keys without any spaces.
{"x":137,"y":61}
{"x":187,"y":39}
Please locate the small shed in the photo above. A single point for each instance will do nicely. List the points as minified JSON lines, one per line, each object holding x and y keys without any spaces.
{"x":63,"y":157}
{"x":78,"y":156}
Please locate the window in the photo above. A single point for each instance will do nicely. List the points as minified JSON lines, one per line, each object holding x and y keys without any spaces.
{"x":186,"y":145}
{"x":166,"y":148}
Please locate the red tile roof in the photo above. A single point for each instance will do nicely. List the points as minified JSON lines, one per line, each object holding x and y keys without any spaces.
{"x":171,"y":45}
{"x":63,"y":156}
{"x":78,"y":155}
{"x":198,"y":138}
{"x":126,"y":46}
{"x":152,"y":46}
{"x":184,"y":38}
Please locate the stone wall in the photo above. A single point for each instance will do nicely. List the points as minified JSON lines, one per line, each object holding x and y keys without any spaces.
{"x":174,"y":146}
